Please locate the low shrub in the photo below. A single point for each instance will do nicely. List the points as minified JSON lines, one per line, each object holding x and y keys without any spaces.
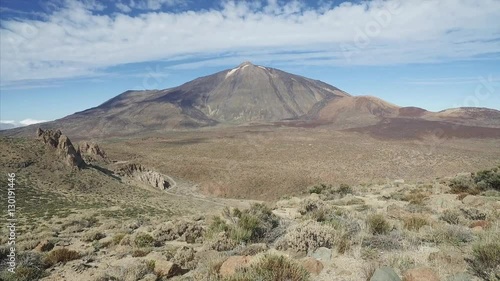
{"x":485,"y":260}
{"x":452,"y":234}
{"x":415,"y":222}
{"x":62,"y":255}
{"x":251,"y":225}
{"x":271,"y":268}
{"x":144,"y":240}
{"x":93,"y":236}
{"x":29,"y":268}
{"x":377,"y":224}
{"x":308,"y":236}
{"x":450,"y":216}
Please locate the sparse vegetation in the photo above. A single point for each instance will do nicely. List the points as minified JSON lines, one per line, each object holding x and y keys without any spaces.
{"x":415,"y":222}
{"x":378,"y":224}
{"x":144,"y":240}
{"x":272,"y":268}
{"x":61,"y":255}
{"x":485,"y":261}
{"x":451,"y":216}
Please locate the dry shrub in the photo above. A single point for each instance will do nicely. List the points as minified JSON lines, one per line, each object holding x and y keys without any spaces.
{"x":415,"y":222}
{"x":378,"y":224}
{"x":485,"y":261}
{"x":93,"y":236}
{"x":62,"y":255}
{"x":308,"y":236}
{"x":144,"y":240}
{"x":271,"y":267}
{"x":450,"y":216}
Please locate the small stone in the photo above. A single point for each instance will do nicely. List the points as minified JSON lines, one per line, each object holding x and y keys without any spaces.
{"x":322,"y":254}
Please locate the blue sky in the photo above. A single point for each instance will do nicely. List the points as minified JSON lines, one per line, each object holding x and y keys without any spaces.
{"x":63,"y":56}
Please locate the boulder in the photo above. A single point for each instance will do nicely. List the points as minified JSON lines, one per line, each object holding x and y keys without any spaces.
{"x":420,"y":274}
{"x":234,"y":263}
{"x":323,"y":254}
{"x":385,"y":274}
{"x":312,"y":265}
{"x":164,"y":268}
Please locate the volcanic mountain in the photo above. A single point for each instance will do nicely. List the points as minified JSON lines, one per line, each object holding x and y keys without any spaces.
{"x":248,"y":94}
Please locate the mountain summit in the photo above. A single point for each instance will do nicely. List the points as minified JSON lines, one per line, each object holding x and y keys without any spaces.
{"x":247,"y":93}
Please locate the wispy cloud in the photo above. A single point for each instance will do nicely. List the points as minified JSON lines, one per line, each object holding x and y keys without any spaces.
{"x":75,"y":40}
{"x":10,"y":124}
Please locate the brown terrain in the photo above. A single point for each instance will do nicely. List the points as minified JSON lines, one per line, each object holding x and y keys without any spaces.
{"x":162,"y":185}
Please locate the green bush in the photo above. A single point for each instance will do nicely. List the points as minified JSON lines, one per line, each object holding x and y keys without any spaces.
{"x":488,"y":179}
{"x":463,"y":184}
{"x":250,"y":225}
{"x":377,"y":224}
{"x":144,"y":240}
{"x":272,"y":268}
{"x":485,"y":261}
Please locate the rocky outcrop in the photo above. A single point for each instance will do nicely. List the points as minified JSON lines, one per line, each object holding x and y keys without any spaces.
{"x":92,"y":152}
{"x":63,"y":145}
{"x":141,"y":174}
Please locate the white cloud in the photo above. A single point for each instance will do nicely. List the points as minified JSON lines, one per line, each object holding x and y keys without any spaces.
{"x":123,"y":7}
{"x":10,"y":124}
{"x":74,"y":41}
{"x":29,"y":121}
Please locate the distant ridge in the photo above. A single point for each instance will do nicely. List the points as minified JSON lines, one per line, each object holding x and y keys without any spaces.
{"x":249,"y":94}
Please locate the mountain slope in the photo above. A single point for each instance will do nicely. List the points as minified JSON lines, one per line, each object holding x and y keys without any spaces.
{"x":251,"y":94}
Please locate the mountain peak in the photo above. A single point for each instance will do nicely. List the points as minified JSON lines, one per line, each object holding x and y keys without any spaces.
{"x":246,"y":63}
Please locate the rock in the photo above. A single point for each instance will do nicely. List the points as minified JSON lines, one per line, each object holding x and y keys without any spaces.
{"x":62,"y":143}
{"x":92,"y":151}
{"x":141,"y":174}
{"x":476,"y":201}
{"x":323,"y":254}
{"x":44,"y":246}
{"x":164,"y":268}
{"x":385,"y":274}
{"x":312,"y":265}
{"x":234,"y":263}
{"x":420,"y":274}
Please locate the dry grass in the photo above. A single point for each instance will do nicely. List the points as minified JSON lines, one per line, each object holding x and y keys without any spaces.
{"x":267,"y":163}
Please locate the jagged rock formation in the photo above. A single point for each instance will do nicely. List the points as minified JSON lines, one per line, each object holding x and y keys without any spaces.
{"x":92,"y":152}
{"x":144,"y":175}
{"x":63,"y":145}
